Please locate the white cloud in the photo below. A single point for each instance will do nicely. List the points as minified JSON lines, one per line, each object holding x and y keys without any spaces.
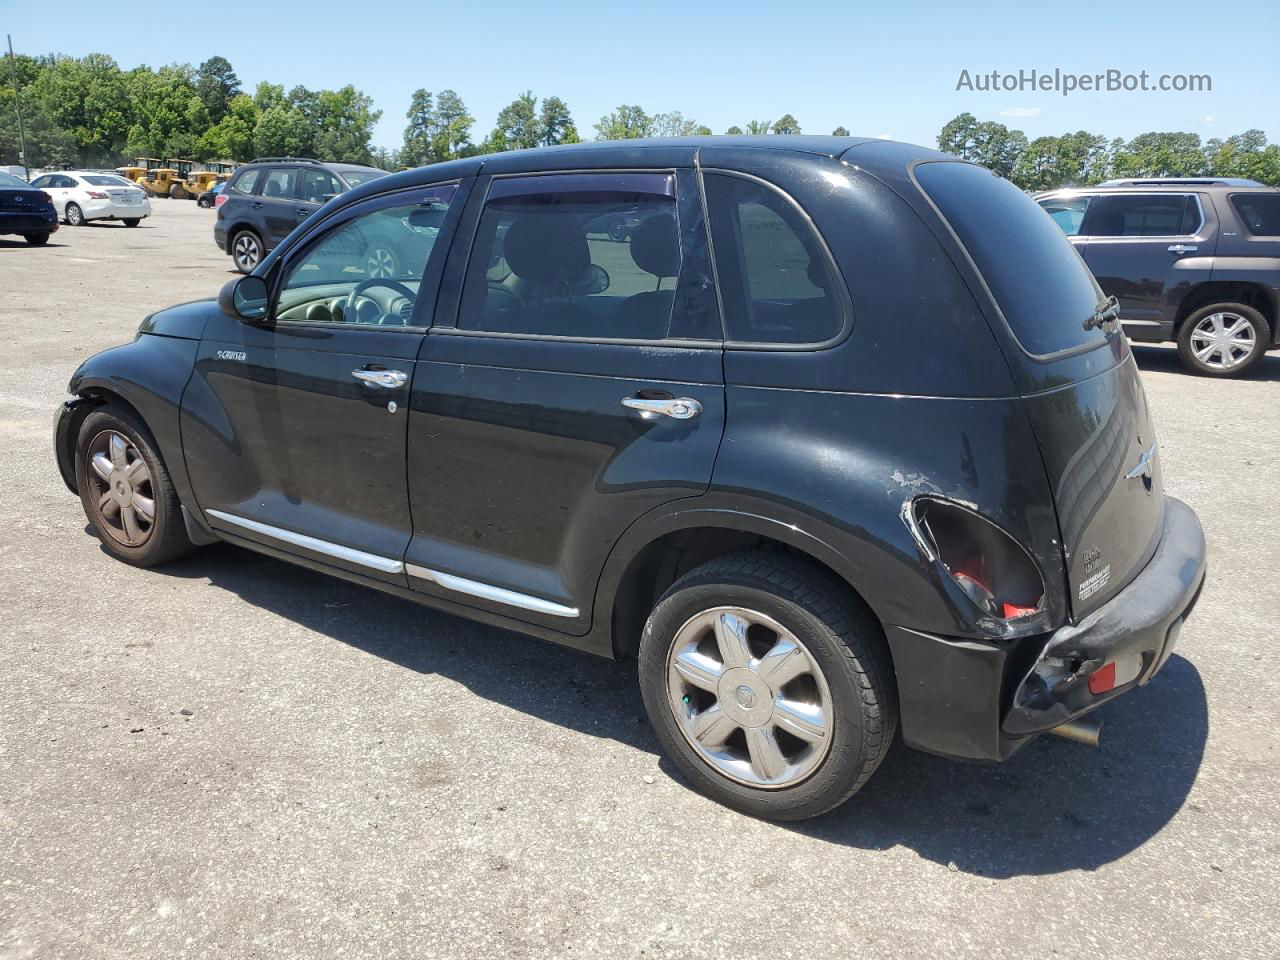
{"x":1021,"y":112}
{"x":884,"y":136}
{"x":1208,"y":121}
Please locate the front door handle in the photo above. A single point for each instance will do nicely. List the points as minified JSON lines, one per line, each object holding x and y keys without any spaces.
{"x":390,"y":379}
{"x":1183,"y":248}
{"x":257,"y":205}
{"x":302,"y":212}
{"x":678,"y":408}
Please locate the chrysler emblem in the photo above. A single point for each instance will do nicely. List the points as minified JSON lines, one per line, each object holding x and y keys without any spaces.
{"x":1143,"y":468}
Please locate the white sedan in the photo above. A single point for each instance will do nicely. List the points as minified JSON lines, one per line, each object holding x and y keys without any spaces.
{"x":81,"y":196}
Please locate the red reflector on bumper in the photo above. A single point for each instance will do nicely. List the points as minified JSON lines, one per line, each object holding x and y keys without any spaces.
{"x":1103,"y":680}
{"x":1010,"y":611}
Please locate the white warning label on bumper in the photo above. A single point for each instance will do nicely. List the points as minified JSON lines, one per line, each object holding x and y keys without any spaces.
{"x":1095,"y":582}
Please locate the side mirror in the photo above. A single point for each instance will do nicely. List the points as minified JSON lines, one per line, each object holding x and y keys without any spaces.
{"x":244,"y":298}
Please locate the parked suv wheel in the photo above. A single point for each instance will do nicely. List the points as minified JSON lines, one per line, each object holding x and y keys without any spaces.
{"x":771,"y":691}
{"x":246,"y":250}
{"x":1223,"y":339}
{"x":125,"y":490}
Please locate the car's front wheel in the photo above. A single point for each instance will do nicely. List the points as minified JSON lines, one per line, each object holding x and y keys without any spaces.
{"x":768,"y":685}
{"x":125,"y":489}
{"x":246,"y":250}
{"x":1223,"y":339}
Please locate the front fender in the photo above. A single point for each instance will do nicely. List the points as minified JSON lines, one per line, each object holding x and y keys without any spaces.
{"x":149,"y":375}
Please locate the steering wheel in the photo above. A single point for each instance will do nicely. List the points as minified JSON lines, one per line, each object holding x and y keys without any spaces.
{"x":359,"y":291}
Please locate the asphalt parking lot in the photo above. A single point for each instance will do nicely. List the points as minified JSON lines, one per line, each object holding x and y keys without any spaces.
{"x":233,"y":757}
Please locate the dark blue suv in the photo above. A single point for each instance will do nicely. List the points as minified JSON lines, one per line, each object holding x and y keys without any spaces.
{"x":268,"y":197}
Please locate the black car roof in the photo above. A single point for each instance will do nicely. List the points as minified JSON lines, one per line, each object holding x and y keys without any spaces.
{"x":873,"y":154}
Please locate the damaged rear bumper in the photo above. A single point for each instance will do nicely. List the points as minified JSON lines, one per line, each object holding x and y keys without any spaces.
{"x":982,"y":699}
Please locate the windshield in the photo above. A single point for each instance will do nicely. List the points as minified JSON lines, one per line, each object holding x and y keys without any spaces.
{"x":1046,"y":293}
{"x":9,"y":180}
{"x":357,"y":177}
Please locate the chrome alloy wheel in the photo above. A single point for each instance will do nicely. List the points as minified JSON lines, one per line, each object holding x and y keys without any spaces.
{"x":1223,"y":340}
{"x":749,"y":697}
{"x":380,"y":263}
{"x":122,"y":494}
{"x":247,"y":252}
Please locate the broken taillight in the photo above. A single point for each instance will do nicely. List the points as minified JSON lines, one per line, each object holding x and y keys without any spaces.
{"x":989,"y":566}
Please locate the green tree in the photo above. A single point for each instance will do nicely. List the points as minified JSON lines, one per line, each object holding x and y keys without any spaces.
{"x":628,"y":122}
{"x":518,"y":126}
{"x":989,"y":143}
{"x":168,"y":114}
{"x":282,"y":131}
{"x":217,"y":85}
{"x":675,"y":124}
{"x":344,"y":120}
{"x":733,"y":132}
{"x":1160,"y":155}
{"x":231,"y":138}
{"x":453,"y":126}
{"x":786,"y":124}
{"x":418,"y":149}
{"x":757,"y":127}
{"x":556,"y":123}
{"x":840,"y":132}
{"x":87,"y":98}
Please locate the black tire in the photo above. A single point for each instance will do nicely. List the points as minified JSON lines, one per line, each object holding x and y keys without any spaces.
{"x":131,"y":222}
{"x":204,"y":204}
{"x":842,"y":637}
{"x":246,"y":250}
{"x":166,"y":538}
{"x":1217,"y":367}
{"x":74,"y":215}
{"x":36,"y":239}
{"x":618,"y":231}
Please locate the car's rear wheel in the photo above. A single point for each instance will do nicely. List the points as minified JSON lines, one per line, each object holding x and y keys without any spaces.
{"x":125,"y":489}
{"x":1223,"y":339}
{"x":246,"y":250}
{"x":768,"y":685}
{"x":36,"y":239}
{"x":131,"y":222}
{"x":75,"y":216}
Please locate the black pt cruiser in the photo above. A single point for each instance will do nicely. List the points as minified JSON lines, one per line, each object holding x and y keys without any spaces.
{"x":841,"y":436}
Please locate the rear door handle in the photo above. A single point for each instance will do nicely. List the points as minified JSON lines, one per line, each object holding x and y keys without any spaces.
{"x":1183,"y":248}
{"x":302,"y":212}
{"x":390,"y":379}
{"x":678,"y":408}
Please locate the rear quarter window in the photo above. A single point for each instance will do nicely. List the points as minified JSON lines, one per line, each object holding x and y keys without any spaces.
{"x":1260,"y":212}
{"x":1041,"y":285}
{"x":247,"y":181}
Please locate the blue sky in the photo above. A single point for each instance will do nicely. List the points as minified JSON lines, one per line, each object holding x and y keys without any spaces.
{"x":875,"y":68}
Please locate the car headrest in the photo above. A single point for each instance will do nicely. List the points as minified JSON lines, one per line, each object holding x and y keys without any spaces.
{"x":655,"y":247}
{"x":546,"y":248}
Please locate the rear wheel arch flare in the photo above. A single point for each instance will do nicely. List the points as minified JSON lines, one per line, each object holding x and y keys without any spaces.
{"x":668,"y":556}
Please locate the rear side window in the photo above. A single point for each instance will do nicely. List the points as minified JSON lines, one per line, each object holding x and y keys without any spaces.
{"x":775,"y":280}
{"x":1043,"y":288}
{"x":1137,"y":215}
{"x":280,"y":183}
{"x":579,"y":255}
{"x":247,"y":182}
{"x":319,"y":185}
{"x":1260,"y":212}
{"x":1067,"y":212}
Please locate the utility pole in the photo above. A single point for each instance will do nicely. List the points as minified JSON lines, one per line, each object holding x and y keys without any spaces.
{"x":17,"y":106}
